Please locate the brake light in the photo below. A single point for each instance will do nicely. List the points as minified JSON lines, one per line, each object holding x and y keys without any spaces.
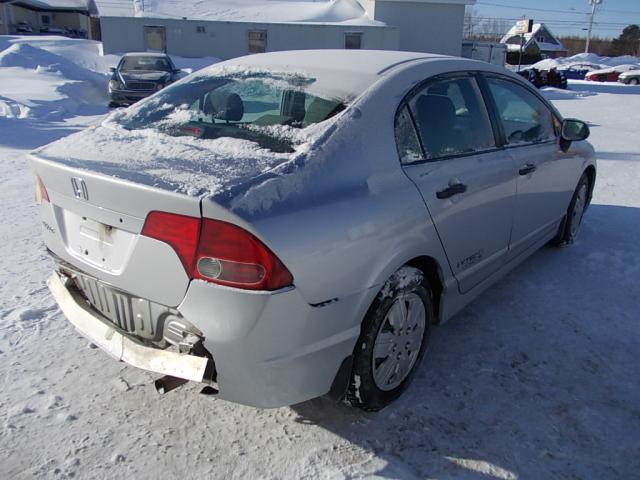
{"x":219,"y":252}
{"x":41,"y":191}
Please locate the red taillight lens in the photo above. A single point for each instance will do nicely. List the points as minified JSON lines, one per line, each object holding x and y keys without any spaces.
{"x":179,"y":231}
{"x":219,"y":252}
{"x":41,"y":192}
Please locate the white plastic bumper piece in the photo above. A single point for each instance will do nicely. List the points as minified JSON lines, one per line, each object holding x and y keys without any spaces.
{"x":119,"y":346}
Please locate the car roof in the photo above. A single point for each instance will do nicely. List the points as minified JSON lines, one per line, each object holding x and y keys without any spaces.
{"x":365,"y":62}
{"x":145,"y":54}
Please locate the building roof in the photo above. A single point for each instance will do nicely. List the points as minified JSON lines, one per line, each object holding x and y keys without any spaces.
{"x":536,"y":37}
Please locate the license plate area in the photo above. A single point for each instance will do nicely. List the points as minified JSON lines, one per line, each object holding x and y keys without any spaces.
{"x":100,"y":245}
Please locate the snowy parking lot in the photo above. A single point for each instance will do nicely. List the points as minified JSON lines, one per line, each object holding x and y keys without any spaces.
{"x":537,"y":379}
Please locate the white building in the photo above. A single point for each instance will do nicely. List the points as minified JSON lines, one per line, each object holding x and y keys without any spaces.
{"x":539,"y":41}
{"x":232,"y":28}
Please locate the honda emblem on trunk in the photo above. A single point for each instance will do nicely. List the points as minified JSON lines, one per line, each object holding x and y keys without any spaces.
{"x":79,"y":188}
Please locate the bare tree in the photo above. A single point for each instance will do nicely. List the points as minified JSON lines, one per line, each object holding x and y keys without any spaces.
{"x":472,"y":21}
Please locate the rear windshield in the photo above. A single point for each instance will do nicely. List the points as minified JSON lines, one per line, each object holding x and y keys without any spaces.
{"x":148,"y":64}
{"x":263,"y":107}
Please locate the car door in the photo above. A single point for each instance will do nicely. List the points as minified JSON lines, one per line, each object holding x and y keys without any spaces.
{"x":531,"y":131}
{"x":448,"y":149}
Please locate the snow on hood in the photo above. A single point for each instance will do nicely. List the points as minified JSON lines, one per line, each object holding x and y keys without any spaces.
{"x":180,"y":164}
{"x":151,"y":76}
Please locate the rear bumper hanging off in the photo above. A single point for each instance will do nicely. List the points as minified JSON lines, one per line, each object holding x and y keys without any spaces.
{"x":124,"y":349}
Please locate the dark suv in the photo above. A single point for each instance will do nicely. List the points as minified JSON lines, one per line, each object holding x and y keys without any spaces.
{"x":139,"y":75}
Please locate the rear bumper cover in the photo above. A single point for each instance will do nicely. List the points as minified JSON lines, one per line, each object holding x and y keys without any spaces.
{"x":119,"y":346}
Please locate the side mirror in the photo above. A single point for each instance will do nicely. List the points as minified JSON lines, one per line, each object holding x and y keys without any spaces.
{"x":574,"y":130}
{"x":112,"y":69}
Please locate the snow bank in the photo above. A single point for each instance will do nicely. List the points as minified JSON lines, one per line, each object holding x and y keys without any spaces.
{"x":587,"y":58}
{"x":323,"y":11}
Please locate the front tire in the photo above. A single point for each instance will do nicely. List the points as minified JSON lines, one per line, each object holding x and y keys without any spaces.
{"x":575,"y":212}
{"x":634,"y":81}
{"x":395,"y":334}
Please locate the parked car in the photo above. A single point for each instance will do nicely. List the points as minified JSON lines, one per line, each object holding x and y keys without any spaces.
{"x":610,"y":74}
{"x":577,"y":71}
{"x":544,"y":78}
{"x":54,"y":31}
{"x":139,"y":75}
{"x":632,"y":77}
{"x":288,"y":225}
{"x":24,"y":28}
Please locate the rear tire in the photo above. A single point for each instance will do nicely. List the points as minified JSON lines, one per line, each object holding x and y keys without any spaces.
{"x":575,"y":212}
{"x":394,"y":336}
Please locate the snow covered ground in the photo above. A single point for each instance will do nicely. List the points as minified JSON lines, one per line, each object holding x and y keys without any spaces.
{"x":537,"y":379}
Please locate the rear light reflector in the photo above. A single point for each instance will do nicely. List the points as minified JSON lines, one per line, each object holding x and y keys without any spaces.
{"x":219,"y":252}
{"x":41,"y":191}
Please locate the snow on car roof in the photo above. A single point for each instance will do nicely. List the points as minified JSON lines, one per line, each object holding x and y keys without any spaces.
{"x":365,"y":62}
{"x":145,"y":54}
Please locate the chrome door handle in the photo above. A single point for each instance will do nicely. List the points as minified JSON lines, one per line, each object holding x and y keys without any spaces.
{"x":527,"y":169}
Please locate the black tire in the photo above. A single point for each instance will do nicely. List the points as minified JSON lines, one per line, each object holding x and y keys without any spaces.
{"x":633,"y":81}
{"x":568,"y":232}
{"x":363,"y":391}
{"x":113,"y":105}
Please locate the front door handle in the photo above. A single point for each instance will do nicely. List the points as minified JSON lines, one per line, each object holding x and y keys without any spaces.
{"x":451,"y":190}
{"x":527,"y":169}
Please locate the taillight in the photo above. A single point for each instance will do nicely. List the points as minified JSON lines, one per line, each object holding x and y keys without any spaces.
{"x":219,"y":252}
{"x":41,"y":191}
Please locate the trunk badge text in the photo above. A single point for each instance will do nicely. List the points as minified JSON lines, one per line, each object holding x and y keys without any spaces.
{"x":79,"y":188}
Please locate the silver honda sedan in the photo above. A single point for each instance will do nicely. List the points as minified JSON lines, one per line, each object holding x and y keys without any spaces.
{"x":289,"y":225}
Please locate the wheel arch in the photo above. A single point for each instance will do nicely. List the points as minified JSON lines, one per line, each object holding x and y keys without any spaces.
{"x":433,"y":275}
{"x":590,"y":171}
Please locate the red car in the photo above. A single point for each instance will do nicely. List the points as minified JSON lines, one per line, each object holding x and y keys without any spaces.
{"x":609,"y":74}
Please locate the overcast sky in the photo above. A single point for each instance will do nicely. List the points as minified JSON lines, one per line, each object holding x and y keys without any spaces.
{"x":566,"y":17}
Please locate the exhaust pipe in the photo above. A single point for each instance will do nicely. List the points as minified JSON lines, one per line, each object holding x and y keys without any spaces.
{"x":167,"y":383}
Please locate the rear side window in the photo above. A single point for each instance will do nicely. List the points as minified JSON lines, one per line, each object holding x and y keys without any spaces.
{"x":451,"y":118}
{"x":526,"y":119}
{"x":407,"y":139}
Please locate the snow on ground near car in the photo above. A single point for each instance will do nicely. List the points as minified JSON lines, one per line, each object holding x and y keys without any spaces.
{"x":316,"y":11}
{"x":586,"y":58}
{"x":535,"y":379}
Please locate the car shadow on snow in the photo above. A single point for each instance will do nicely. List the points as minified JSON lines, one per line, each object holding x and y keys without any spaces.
{"x":535,"y":379}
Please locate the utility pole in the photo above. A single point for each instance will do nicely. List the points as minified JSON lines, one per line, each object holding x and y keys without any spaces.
{"x":594,"y":5}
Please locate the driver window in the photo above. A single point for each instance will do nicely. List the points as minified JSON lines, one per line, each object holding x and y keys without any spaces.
{"x":526,"y":119}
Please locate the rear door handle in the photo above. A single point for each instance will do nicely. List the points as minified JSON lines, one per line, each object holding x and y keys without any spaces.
{"x":451,"y":190}
{"x":527,"y":169}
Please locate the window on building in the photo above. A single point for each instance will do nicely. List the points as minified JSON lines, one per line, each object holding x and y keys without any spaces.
{"x":257,"y":41}
{"x":200,"y":29}
{"x":46,"y":20}
{"x":353,"y":40}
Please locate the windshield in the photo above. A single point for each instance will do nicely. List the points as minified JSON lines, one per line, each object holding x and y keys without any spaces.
{"x":263,"y":107}
{"x":149,"y":64}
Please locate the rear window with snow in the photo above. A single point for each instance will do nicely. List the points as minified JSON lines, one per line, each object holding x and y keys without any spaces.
{"x":264,"y":107}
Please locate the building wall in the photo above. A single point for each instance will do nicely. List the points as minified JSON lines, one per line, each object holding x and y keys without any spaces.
{"x":424,"y":27}
{"x":17,"y":14}
{"x":4,"y":21}
{"x":230,"y":39}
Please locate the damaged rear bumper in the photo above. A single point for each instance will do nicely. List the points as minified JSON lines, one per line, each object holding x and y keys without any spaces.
{"x":121,"y":347}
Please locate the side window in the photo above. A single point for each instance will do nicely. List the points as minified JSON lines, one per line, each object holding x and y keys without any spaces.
{"x":407,"y":139}
{"x":526,"y":119}
{"x":451,"y":118}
